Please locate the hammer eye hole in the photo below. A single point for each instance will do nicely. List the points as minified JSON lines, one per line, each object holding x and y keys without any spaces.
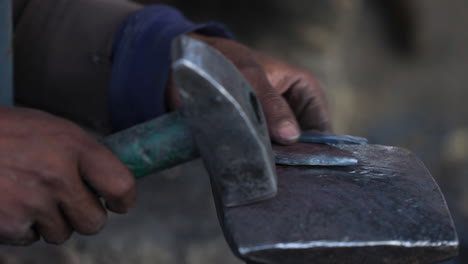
{"x":255,"y":107}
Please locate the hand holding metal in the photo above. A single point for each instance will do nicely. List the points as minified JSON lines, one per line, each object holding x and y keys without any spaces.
{"x":221,"y":121}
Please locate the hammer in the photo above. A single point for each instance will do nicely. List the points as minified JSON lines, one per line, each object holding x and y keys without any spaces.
{"x":221,"y":121}
{"x":335,"y":202}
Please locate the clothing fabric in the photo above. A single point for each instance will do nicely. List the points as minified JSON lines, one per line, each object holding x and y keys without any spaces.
{"x":142,"y":60}
{"x":101,"y":63}
{"x":62,"y":56}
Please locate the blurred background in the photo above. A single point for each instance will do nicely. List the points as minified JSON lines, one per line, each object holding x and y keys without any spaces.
{"x":395,"y":71}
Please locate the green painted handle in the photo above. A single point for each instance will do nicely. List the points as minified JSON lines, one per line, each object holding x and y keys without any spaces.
{"x":155,"y":145}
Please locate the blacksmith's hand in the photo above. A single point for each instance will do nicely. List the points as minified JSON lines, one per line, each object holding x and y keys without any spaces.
{"x":46,"y":164}
{"x":290,"y":96}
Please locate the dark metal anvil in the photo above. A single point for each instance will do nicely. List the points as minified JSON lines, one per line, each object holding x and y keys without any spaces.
{"x":387,"y":208}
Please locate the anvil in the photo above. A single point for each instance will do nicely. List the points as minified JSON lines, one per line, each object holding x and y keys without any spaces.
{"x":386,"y":208}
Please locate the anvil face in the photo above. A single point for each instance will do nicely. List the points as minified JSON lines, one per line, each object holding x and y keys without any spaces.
{"x":385,"y":209}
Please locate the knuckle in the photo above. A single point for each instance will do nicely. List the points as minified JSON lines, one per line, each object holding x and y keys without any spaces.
{"x":88,"y":143}
{"x":278,"y":106}
{"x":53,"y":179}
{"x":275,"y":107}
{"x":256,"y":77}
{"x":122,"y":188}
{"x":307,"y":75}
{"x":71,"y":138}
{"x":55,"y":172}
{"x":93,"y":224}
{"x":250,"y":67}
{"x":269,"y":96}
{"x":32,"y":204}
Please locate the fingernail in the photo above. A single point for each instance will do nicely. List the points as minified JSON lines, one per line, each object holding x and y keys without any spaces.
{"x":288,"y":131}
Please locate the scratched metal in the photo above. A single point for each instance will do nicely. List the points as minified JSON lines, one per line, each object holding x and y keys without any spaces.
{"x":385,"y":209}
{"x":6,"y":53}
{"x":226,"y":122}
{"x":329,"y":138}
{"x":313,"y":155}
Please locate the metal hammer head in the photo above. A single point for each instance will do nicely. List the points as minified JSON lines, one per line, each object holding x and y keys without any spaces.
{"x":226,"y":121}
{"x":385,"y":209}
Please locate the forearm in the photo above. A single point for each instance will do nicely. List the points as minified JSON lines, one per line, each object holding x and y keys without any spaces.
{"x":63,"y":55}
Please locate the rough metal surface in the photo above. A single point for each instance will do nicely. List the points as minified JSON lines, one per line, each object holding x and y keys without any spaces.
{"x":330,"y":138}
{"x":386,"y":209}
{"x":313,"y":155}
{"x":226,"y":121}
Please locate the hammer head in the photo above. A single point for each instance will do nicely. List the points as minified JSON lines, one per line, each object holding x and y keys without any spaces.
{"x":385,"y":209}
{"x":226,"y":121}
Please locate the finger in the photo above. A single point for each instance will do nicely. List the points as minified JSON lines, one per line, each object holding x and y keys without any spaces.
{"x":16,"y":220}
{"x":302,"y":92}
{"x":308,"y":103}
{"x":282,"y":124}
{"x":25,"y":239}
{"x":14,"y":232}
{"x":109,"y":177}
{"x":82,"y":209}
{"x":53,"y":227}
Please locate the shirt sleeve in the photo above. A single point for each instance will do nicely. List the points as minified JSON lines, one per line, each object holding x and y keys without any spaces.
{"x":62,"y":56}
{"x":141,"y":62}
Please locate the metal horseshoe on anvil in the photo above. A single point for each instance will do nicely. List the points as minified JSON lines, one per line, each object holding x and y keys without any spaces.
{"x":329,"y":199}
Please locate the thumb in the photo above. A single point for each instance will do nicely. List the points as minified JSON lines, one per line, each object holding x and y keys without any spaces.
{"x":282,"y":125}
{"x":281,"y":122}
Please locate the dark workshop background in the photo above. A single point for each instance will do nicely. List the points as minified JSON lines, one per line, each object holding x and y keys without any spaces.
{"x":395,"y":72}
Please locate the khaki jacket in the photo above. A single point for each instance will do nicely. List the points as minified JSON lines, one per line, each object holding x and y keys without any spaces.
{"x":62,"y":55}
